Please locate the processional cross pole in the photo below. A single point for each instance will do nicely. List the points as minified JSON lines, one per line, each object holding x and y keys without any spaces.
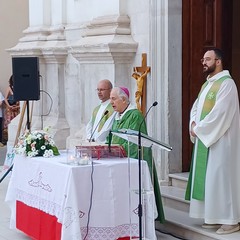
{"x":140,"y":74}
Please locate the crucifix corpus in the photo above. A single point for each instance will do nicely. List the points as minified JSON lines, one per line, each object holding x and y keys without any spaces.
{"x":140,"y":74}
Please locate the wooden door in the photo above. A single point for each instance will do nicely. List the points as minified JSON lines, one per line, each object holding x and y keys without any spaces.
{"x":206,"y":23}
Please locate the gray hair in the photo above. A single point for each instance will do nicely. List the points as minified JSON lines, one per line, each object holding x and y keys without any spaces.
{"x":122,"y":94}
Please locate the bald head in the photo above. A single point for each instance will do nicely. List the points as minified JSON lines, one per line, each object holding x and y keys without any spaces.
{"x":104,"y":88}
{"x":107,"y":83}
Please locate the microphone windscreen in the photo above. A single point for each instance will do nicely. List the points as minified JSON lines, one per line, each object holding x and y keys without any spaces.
{"x":155,"y":103}
{"x":106,"y":112}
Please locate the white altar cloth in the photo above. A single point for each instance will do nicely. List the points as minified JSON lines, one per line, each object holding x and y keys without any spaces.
{"x":64,"y":191}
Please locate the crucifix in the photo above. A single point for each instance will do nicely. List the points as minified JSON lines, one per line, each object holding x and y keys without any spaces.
{"x":140,"y":74}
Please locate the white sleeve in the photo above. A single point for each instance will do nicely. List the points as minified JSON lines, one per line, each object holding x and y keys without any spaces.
{"x":89,"y":129}
{"x":193,"y":118}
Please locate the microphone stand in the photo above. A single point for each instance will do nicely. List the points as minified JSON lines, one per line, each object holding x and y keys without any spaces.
{"x":140,"y":212}
{"x":104,"y":114}
{"x":140,"y":183}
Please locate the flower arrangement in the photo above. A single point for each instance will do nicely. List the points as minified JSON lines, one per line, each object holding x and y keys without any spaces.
{"x":36,"y":143}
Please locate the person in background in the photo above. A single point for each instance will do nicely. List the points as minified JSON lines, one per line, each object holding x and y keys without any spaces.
{"x":12,"y":106}
{"x":213,"y":185}
{"x":1,"y":119}
{"x":128,"y":117}
{"x":100,"y":123}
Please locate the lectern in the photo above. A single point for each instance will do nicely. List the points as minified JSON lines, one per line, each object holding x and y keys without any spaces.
{"x":142,"y":140}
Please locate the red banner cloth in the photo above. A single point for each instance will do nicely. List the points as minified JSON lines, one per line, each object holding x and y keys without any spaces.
{"x":36,"y":223}
{"x":39,"y":225}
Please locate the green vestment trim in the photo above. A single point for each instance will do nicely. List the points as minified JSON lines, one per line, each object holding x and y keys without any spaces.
{"x":200,"y":149}
{"x":104,"y":118}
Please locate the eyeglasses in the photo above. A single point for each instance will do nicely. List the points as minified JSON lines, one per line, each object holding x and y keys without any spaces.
{"x":207,"y":59}
{"x":102,"y":89}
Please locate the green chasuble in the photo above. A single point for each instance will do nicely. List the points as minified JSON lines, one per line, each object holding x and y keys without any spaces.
{"x":132,"y":120}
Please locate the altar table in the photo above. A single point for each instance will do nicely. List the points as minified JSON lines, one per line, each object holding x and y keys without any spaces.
{"x":52,"y":200}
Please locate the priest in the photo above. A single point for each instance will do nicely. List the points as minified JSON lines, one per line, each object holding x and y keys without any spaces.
{"x":102,"y":117}
{"x":213,"y":185}
{"x":128,"y":117}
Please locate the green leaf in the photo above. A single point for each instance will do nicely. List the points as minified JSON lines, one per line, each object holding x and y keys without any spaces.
{"x":55,"y":151}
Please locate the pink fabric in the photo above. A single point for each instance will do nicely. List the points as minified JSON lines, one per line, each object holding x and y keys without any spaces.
{"x":125,"y":90}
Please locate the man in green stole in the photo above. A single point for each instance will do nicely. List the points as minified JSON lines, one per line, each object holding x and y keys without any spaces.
{"x":213,"y":188}
{"x":100,"y":123}
{"x":128,"y":117}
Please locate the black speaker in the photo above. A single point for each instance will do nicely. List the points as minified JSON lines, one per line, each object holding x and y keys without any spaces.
{"x":26,"y":84}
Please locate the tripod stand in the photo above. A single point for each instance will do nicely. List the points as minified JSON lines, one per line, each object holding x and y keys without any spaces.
{"x":28,"y":125}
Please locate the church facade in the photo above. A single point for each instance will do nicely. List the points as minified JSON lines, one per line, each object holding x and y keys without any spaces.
{"x":79,"y":42}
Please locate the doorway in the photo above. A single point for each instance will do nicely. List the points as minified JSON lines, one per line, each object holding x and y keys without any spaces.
{"x":206,"y":23}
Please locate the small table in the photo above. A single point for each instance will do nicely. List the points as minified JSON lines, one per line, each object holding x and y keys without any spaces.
{"x":50,"y":199}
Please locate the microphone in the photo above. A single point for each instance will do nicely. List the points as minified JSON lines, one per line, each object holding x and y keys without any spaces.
{"x":153,"y":105}
{"x":105,"y":113}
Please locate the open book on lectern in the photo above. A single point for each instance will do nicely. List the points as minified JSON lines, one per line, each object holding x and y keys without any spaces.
{"x":146,"y":141}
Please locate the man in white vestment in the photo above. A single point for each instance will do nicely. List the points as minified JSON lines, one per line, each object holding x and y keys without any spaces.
{"x":213,"y":186}
{"x":102,"y":117}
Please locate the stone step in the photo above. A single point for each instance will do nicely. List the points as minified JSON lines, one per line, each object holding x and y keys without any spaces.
{"x":174,"y":197}
{"x":179,"y":179}
{"x":179,"y":224}
{"x":176,"y":209}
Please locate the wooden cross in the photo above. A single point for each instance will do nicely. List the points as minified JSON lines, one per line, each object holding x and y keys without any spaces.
{"x":141,"y":83}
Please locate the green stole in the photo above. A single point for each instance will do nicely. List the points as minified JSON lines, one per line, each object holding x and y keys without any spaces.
{"x":200,"y":149}
{"x":104,"y":118}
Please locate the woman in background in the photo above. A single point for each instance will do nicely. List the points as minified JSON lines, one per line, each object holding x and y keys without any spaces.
{"x":12,"y":107}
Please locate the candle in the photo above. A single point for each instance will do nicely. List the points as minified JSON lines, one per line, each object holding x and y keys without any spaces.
{"x":71,"y":157}
{"x":83,"y":160}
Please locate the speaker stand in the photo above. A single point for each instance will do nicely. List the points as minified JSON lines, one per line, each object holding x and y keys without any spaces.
{"x":28,"y":118}
{"x":6,"y":173}
{"x":26,"y":104}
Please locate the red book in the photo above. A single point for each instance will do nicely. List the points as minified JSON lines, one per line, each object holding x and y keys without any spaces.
{"x":103,"y":150}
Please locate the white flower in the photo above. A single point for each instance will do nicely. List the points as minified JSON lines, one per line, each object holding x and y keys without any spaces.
{"x":30,"y":154}
{"x":47,"y":129}
{"x":50,"y":151}
{"x":37,"y":143}
{"x":51,"y":142}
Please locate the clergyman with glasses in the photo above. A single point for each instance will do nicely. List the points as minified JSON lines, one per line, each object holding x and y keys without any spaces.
{"x":102,"y":116}
{"x":213,"y":185}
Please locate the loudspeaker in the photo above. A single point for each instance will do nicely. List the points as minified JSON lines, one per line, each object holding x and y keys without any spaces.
{"x":26,"y":84}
